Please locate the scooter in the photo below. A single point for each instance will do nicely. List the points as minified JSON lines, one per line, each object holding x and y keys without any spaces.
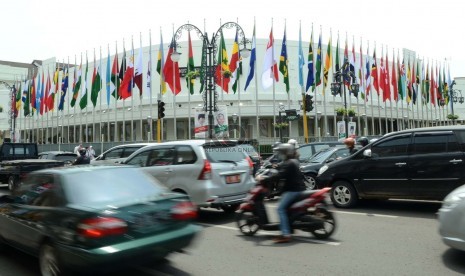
{"x":308,"y":213}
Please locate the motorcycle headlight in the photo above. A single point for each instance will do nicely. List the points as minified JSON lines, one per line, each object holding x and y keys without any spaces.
{"x":322,"y":169}
{"x":453,"y":199}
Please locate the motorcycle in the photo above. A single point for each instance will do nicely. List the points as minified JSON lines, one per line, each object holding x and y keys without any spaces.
{"x":274,"y":188}
{"x":309,"y":212}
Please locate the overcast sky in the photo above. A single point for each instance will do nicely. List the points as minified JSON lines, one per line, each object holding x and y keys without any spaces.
{"x":43,"y":29}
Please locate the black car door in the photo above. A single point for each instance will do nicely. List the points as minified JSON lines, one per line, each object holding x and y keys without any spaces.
{"x":436,"y":164}
{"x":385,"y":173}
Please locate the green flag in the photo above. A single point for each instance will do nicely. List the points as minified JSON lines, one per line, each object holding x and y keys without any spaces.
{"x":83,"y":101}
{"x":76,"y":84}
{"x":191,"y":72}
{"x":283,"y":62}
{"x":27,"y":101}
{"x":318,"y":63}
{"x":96,"y":85}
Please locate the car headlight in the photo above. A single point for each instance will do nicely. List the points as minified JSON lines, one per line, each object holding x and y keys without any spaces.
{"x":322,"y":169}
{"x":452,"y":199}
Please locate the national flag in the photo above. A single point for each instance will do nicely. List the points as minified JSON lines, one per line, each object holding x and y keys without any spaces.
{"x":310,"y":65}
{"x":301,"y":60}
{"x":432,"y":87}
{"x":382,"y":75}
{"x":374,"y":72}
{"x":127,"y":83}
{"x":318,"y":63}
{"x":283,"y":62}
{"x":171,"y":70}
{"x":44,"y":92}
{"x":121,"y":73}
{"x":190,"y":80}
{"x":394,"y":78}
{"x":387,"y":84}
{"x":96,"y":85}
{"x":367,"y":74}
{"x":83,"y":101}
{"x":13,"y":103}
{"x":235,"y":65}
{"x":270,"y":67}
{"x":253,"y":58}
{"x":25,"y":89}
{"x":352,"y":65}
{"x":64,"y":88}
{"x":417,"y":81}
{"x":27,"y":101}
{"x":426,"y":84}
{"x":53,"y":90}
{"x":33,"y":93}
{"x":413,"y":83}
{"x":402,"y":80}
{"x":18,"y":96}
{"x":222,"y":66}
{"x":161,"y":65}
{"x":328,"y":64}
{"x":149,"y":74}
{"x":138,"y":71}
{"x":110,"y":87}
{"x":76,"y":83}
{"x":409,"y":83}
{"x":114,"y":77}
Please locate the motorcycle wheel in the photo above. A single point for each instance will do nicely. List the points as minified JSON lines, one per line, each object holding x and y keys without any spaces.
{"x":247,"y":223}
{"x":329,"y":224}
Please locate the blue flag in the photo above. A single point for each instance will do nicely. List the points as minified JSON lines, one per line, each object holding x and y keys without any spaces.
{"x":253,"y":57}
{"x":64,"y":88}
{"x":311,"y":67}
{"x":301,"y":60}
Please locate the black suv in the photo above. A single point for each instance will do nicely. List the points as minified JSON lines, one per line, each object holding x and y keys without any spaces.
{"x":423,"y":163}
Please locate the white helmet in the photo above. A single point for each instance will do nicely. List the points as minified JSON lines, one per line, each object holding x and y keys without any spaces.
{"x":294,"y":143}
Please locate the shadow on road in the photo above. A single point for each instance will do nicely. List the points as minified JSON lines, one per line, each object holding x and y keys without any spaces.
{"x":213,"y":216}
{"x":454,"y":260}
{"x":394,"y":207}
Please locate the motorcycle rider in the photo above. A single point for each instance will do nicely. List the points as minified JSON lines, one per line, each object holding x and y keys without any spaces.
{"x":363,"y":141}
{"x":350,"y":144}
{"x":83,"y":158}
{"x":293,"y":185}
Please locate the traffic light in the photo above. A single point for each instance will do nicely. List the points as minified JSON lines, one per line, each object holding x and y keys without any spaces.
{"x":308,"y":103}
{"x":161,"y":110}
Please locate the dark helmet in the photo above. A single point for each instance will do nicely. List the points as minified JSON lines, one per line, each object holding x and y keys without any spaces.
{"x":82,"y":152}
{"x":285,"y":150}
{"x":275,"y":145}
{"x":363,"y":141}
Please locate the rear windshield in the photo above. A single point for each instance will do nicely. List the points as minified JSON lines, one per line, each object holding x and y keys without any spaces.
{"x":102,"y":187}
{"x":66,"y":157}
{"x":224,"y":153}
{"x":249,"y":149}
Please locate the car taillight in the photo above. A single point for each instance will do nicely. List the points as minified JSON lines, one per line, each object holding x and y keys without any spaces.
{"x":250,"y":164}
{"x":184,"y":211}
{"x":206,"y":172}
{"x":100,"y":227}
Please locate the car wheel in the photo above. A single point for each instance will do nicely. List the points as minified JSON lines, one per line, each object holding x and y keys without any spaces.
{"x":12,"y":183}
{"x":247,"y":223}
{"x":48,"y":261}
{"x":310,"y":181}
{"x":343,"y":194}
{"x":230,"y":208}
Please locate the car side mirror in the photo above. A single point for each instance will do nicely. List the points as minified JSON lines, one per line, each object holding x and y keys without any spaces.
{"x":367,"y":153}
{"x":330,"y":160}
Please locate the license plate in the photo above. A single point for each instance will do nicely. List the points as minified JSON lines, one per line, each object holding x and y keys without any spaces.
{"x":233,"y":179}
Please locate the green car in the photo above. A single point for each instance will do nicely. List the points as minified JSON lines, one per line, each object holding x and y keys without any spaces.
{"x":93,"y":218}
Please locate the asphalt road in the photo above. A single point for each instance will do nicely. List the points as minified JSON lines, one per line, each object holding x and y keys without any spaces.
{"x":377,"y":238}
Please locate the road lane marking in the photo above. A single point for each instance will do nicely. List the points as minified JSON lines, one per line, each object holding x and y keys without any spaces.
{"x":268,"y":233}
{"x":351,"y":213}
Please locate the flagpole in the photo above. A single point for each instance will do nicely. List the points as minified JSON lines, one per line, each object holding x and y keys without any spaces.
{"x":324,"y":94}
{"x":174,"y":93}
{"x":141,"y":87}
{"x":132,"y":89}
{"x":93,"y":109}
{"x":386,"y":129}
{"x":256,"y":83}
{"x":336,"y":59}
{"x":189,"y":83}
{"x":274,"y":92}
{"x":115,"y":139}
{"x":363,"y":85}
{"x":160,"y":96}
{"x":238,"y":76}
{"x":150,"y":84}
{"x":301,"y":79}
{"x":99,"y":71}
{"x":124,"y":100}
{"x":316,"y":129}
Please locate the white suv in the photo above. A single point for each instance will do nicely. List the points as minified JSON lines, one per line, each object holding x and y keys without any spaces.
{"x":214,"y":174}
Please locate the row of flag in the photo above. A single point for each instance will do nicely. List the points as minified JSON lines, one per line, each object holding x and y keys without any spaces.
{"x":402,"y":81}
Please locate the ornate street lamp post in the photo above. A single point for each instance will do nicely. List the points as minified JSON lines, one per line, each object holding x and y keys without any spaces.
{"x":336,"y":86}
{"x":208,"y":65}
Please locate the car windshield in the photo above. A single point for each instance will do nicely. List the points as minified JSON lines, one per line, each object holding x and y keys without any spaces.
{"x":226,"y":153}
{"x":321,"y":156}
{"x":249,"y":149}
{"x":106,"y":186}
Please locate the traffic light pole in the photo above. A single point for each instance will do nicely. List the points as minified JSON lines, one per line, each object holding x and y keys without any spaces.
{"x":304,"y":115}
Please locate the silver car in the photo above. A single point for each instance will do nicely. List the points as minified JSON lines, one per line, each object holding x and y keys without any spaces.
{"x":118,"y":154}
{"x":452,"y":220}
{"x":214,"y":174}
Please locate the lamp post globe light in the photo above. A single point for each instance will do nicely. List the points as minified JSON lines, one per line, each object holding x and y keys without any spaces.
{"x":208,"y":65}
{"x":336,"y":86}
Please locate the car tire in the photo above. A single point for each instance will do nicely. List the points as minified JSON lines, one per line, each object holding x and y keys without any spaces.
{"x":49,"y":261}
{"x":343,"y":194}
{"x":12,"y":183}
{"x":310,"y":181}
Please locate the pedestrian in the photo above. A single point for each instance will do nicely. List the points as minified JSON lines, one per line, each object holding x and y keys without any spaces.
{"x":77,"y":148}
{"x":90,"y":152}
